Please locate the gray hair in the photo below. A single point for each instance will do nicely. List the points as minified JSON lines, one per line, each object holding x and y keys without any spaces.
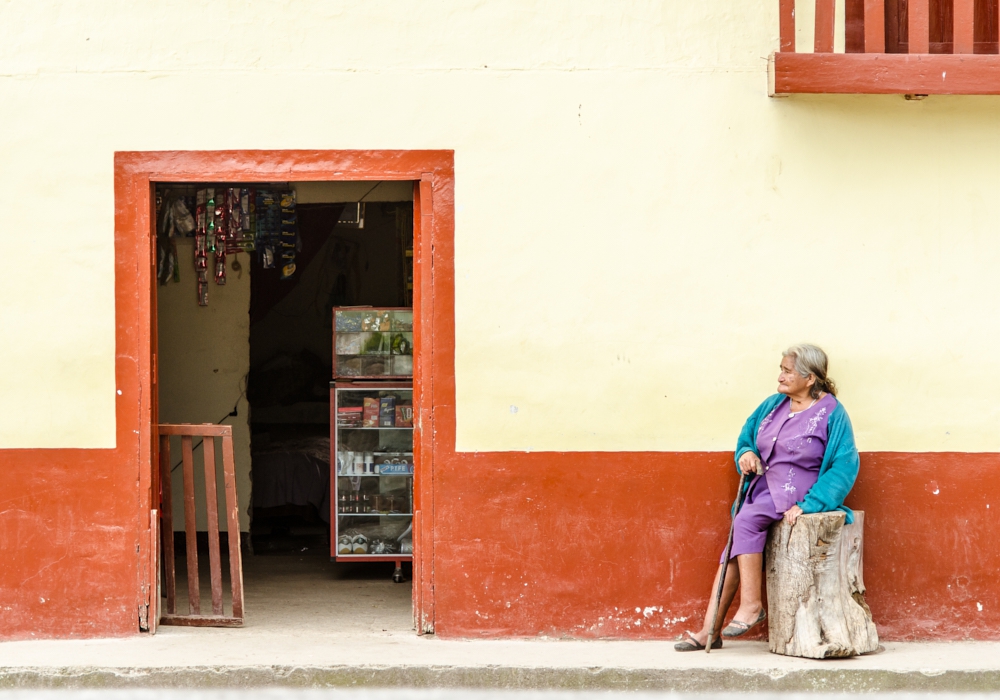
{"x":810,"y":359}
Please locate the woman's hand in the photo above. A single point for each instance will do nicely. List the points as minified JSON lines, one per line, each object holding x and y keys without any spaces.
{"x":792,"y":514}
{"x":750,"y":463}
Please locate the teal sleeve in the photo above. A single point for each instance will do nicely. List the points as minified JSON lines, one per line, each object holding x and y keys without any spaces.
{"x":747,"y":441}
{"x":839,"y":469}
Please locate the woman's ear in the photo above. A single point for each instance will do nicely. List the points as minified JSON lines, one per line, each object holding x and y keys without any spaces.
{"x":810,"y":380}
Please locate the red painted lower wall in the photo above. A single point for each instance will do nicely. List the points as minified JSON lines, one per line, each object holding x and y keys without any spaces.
{"x":625,"y":545}
{"x":68,"y":540}
{"x":564,"y":545}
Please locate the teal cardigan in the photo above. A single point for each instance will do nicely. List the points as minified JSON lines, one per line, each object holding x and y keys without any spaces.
{"x":840,"y":461}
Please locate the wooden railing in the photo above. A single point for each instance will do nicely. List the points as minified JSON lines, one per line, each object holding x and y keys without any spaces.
{"x":208,"y":432}
{"x":918,"y":47}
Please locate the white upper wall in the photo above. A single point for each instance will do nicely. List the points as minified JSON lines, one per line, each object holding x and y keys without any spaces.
{"x":379,"y":35}
{"x":639,"y":229}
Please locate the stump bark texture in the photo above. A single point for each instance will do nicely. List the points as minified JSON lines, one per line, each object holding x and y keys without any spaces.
{"x":816,"y":589}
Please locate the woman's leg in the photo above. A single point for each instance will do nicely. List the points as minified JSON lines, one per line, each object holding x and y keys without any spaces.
{"x":749,"y":534}
{"x":750,"y":566}
{"x":728,"y":593}
{"x":749,"y":537}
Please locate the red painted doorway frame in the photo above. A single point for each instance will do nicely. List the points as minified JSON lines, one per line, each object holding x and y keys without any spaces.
{"x":433,"y":174}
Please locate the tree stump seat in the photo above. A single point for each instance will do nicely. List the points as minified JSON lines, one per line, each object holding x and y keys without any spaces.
{"x":816,"y":589}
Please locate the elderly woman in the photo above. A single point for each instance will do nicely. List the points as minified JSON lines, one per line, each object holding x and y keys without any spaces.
{"x":800,"y":445}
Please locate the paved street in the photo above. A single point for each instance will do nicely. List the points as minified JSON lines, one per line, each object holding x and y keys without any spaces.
{"x":414,"y":694}
{"x":432,"y":694}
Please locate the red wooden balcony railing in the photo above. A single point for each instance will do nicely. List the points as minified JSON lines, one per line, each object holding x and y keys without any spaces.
{"x":920,"y":47}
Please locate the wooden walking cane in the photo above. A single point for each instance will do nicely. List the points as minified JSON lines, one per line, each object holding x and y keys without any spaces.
{"x":737,"y":504}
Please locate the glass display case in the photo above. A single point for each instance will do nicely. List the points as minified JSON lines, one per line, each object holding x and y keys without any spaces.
{"x":372,"y":500}
{"x":372,"y":343}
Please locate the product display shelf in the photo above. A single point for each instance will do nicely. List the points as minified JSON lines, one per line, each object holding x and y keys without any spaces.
{"x":372,"y":343}
{"x":371,"y":505}
{"x":379,"y":428}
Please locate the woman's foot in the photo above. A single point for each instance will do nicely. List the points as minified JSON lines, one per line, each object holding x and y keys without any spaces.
{"x":690,"y":642}
{"x":738,"y":627}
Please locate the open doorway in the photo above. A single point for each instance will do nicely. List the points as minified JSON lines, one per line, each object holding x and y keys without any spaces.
{"x":245,"y":328}
{"x":136,"y":174}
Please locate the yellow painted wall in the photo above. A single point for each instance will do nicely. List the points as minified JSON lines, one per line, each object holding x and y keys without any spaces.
{"x":639,"y":229}
{"x":204,"y":357}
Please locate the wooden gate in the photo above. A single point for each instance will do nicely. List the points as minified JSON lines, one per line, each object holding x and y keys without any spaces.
{"x":208,"y":432}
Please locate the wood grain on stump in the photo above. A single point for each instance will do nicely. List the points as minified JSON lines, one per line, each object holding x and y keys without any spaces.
{"x":816,"y":589}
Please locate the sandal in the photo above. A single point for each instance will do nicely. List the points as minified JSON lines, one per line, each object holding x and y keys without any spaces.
{"x":735,"y":628}
{"x":692,"y":644}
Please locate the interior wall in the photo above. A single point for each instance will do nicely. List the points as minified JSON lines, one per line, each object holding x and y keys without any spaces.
{"x":204,"y":358}
{"x":366,"y":260}
{"x":334,"y":192}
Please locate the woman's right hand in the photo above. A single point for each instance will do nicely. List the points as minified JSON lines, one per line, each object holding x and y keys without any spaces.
{"x":750,"y":463}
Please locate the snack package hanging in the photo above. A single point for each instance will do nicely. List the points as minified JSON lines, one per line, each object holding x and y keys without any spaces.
{"x":201,"y":245}
{"x":202,"y":287}
{"x":210,"y":218}
{"x":245,"y":209}
{"x":251,"y":227}
{"x":177,"y":267}
{"x":200,"y":227}
{"x":268,"y":215}
{"x":221,"y":235}
{"x":164,"y":264}
{"x":181,"y":219}
{"x":241,"y":237}
{"x":201,"y":252}
{"x":173,"y":220}
{"x":289,"y":234}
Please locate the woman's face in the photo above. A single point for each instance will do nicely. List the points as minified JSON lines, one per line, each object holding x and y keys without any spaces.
{"x":791,"y":382}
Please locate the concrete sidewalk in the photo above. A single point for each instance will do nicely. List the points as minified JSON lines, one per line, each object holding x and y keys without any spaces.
{"x":184,"y":657}
{"x":310,"y":623}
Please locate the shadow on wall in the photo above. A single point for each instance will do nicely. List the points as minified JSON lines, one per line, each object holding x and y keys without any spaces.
{"x":291,"y":320}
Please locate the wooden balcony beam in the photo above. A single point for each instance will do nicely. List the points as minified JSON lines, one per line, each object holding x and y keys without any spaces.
{"x":884,"y":74}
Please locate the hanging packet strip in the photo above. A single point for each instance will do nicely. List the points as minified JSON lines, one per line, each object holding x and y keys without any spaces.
{"x":289,"y":234}
{"x":250,"y":228}
{"x":221,"y":235}
{"x":268,"y":215}
{"x":166,"y":225}
{"x":245,"y":210}
{"x":235,"y":241}
{"x":241,"y":235}
{"x":210,"y":218}
{"x":202,"y":287}
{"x":181,"y":221}
{"x":200,"y":227}
{"x":201,"y":245}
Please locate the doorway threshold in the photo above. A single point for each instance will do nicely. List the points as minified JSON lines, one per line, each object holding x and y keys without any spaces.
{"x":302,"y":592}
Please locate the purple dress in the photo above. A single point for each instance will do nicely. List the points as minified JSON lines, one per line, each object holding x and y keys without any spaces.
{"x":791,"y":449}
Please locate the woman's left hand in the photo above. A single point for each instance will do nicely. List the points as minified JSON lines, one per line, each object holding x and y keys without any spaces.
{"x":792,"y":514}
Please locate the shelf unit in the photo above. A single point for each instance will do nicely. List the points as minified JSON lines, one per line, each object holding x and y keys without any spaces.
{"x":372,"y":473}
